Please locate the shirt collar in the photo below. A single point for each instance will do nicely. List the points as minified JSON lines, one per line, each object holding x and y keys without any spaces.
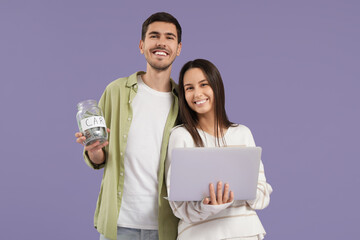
{"x":132,"y":80}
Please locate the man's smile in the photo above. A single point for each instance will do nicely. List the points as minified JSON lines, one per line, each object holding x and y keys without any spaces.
{"x":160,"y":52}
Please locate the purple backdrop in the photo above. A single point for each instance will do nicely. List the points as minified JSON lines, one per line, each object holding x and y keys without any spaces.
{"x":291,"y":71}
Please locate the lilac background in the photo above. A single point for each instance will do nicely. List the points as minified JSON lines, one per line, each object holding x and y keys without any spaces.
{"x":291,"y":71}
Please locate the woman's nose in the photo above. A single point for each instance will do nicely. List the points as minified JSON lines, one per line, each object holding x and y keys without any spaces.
{"x":197,"y":92}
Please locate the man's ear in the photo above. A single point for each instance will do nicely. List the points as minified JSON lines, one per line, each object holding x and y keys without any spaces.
{"x":141,"y":44}
{"x":179,"y":49}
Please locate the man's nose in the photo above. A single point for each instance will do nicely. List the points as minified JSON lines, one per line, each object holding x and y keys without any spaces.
{"x":161,"y":42}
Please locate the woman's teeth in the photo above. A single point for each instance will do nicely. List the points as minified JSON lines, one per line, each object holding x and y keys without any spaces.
{"x":200,"y":102}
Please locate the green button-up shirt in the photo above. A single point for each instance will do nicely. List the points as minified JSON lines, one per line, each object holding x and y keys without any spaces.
{"x":116,"y":105}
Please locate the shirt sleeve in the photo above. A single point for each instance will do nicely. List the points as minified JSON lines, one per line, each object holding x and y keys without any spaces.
{"x":264,"y":189}
{"x":188,"y":211}
{"x":101,"y":104}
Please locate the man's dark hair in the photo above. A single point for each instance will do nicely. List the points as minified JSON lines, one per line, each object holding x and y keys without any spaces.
{"x":161,"y":17}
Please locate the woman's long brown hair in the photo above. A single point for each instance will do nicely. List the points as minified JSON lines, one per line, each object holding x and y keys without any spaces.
{"x":188,"y":117}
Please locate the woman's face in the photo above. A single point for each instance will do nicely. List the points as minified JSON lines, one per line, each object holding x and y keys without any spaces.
{"x":198,"y":93}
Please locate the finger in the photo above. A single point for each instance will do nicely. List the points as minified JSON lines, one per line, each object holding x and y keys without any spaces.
{"x":81,"y":140}
{"x":206,"y":201}
{"x":92,"y":146}
{"x":104,"y":144}
{"x":219,"y":193}
{"x":231,"y":196}
{"x":212,"y":194}
{"x":226,"y":193}
{"x":108,"y":130}
{"x":78,"y":134}
{"x":99,"y":147}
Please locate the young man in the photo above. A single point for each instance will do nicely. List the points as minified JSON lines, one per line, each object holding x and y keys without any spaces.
{"x":140,"y":111}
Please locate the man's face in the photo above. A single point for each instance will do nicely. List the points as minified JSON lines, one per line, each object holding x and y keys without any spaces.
{"x":160,"y":46}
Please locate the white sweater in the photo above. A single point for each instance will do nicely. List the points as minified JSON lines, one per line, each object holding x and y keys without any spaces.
{"x":232,"y":220}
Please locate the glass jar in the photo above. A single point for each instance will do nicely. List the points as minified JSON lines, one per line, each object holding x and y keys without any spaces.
{"x":91,"y":122}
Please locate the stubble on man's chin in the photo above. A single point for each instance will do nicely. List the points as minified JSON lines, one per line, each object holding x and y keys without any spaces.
{"x":160,"y":69}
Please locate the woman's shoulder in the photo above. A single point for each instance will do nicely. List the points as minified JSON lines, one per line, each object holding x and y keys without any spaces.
{"x":240,"y":134}
{"x":180,"y":133}
{"x":179,"y":130}
{"x":240,"y":128}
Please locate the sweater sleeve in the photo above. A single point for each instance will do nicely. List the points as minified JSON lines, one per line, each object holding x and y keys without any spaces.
{"x":188,"y":211}
{"x":264,"y":189}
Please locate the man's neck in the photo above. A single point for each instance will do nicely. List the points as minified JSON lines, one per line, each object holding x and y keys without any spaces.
{"x":158,"y":80}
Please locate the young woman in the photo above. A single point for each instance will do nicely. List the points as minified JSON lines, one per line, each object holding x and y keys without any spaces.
{"x":205,"y":124}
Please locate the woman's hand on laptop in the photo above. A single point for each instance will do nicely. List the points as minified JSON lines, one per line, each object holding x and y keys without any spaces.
{"x":220,"y":197}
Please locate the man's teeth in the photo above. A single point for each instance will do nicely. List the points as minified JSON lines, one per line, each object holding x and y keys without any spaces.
{"x":160,"y":53}
{"x":200,"y":102}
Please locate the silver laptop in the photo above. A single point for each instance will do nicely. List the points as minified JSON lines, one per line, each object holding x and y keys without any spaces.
{"x":193,"y":169}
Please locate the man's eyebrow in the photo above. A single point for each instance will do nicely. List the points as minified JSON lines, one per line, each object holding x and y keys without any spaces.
{"x":158,"y":33}
{"x":170,"y":34}
{"x":154,"y":32}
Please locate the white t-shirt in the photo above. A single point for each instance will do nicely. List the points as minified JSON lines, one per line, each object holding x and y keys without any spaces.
{"x":139,"y":207}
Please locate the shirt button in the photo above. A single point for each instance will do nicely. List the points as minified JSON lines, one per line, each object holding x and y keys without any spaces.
{"x":124,"y":136}
{"x":121,"y":174}
{"x":129,"y":101}
{"x":121,"y":153}
{"x":119,"y":193}
{"x":129,"y":118}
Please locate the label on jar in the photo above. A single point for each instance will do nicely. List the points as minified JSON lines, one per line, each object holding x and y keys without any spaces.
{"x":91,"y":122}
